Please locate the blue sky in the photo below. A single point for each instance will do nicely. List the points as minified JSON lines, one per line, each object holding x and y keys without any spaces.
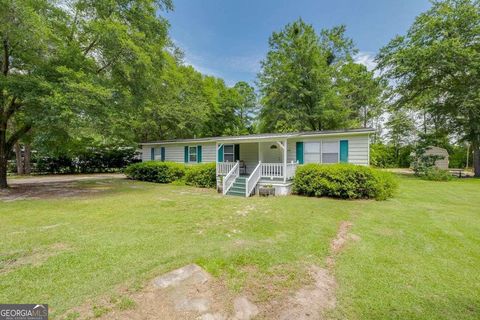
{"x":228,"y":38}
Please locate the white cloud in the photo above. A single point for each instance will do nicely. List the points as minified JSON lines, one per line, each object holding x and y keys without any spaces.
{"x":197,"y":64}
{"x":367,"y":59}
{"x":246,"y":63}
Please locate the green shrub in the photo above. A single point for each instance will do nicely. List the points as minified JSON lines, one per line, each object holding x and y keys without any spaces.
{"x":436,"y":174}
{"x":424,"y":167}
{"x":201,"y":175}
{"x":386,"y":156}
{"x":382,"y":156}
{"x":155,"y":171}
{"x":344,"y":181}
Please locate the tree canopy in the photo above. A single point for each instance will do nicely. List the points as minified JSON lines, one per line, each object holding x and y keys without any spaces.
{"x":435,"y":67}
{"x":310,"y":81}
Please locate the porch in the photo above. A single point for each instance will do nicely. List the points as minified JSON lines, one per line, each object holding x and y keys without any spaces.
{"x":241,"y":167}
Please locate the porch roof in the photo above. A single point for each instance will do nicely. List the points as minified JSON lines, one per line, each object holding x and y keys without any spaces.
{"x":265,"y":136}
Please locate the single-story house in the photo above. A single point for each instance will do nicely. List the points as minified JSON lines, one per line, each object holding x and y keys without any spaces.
{"x":245,"y":163}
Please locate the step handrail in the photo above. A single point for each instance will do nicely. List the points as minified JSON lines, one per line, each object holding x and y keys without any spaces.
{"x":253,"y":179}
{"x":230,"y":178}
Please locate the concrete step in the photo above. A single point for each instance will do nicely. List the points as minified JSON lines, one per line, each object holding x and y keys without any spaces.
{"x":237,"y":189}
{"x":236,"y":184}
{"x":236,"y":193}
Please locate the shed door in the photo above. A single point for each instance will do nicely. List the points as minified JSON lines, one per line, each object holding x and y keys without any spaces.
{"x":344,"y":151}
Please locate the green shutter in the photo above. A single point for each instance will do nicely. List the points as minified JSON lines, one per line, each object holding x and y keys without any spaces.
{"x":185,"y":154}
{"x":199,"y":154}
{"x":300,"y":152}
{"x":220,"y":154}
{"x":236,"y":153}
{"x":162,"y":153}
{"x":344,"y":151}
{"x":152,"y":153}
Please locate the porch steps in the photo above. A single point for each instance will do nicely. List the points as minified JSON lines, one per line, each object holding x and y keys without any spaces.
{"x":238,"y":187}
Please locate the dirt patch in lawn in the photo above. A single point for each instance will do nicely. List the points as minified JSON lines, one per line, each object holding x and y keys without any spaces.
{"x":192,"y":293}
{"x":313,"y":300}
{"x":245,"y":210}
{"x":48,"y":190}
{"x":15,"y":260}
{"x":185,"y":293}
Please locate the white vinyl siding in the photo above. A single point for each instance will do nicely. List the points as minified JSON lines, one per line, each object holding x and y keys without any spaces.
{"x":358,"y":147}
{"x":175,"y":152}
{"x":358,"y":150}
{"x":146,"y":152}
{"x":249,"y":155}
{"x":208,"y":152}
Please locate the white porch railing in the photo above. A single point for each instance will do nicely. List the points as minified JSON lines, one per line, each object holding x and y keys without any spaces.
{"x":291,"y":168}
{"x":265,"y":170}
{"x":230,"y":178}
{"x":272,"y":170}
{"x":253,"y":179}
{"x":224,"y":167}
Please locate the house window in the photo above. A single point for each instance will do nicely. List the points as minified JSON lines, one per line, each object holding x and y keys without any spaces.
{"x":192,"y":154}
{"x":311,"y":153}
{"x":330,"y":152}
{"x":228,"y":153}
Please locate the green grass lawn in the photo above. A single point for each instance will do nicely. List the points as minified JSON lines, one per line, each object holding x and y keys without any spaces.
{"x":418,"y":257}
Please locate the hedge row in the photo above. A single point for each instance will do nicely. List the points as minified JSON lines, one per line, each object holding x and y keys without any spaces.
{"x":339,"y":181}
{"x":91,"y":160}
{"x":199,"y":175}
{"x":202,"y":175}
{"x":344,"y":181}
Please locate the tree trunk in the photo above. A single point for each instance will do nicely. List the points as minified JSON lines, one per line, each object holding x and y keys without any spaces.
{"x":3,"y":160}
{"x":18,"y":159}
{"x":27,"y":160}
{"x":3,"y":172}
{"x":476,"y":159}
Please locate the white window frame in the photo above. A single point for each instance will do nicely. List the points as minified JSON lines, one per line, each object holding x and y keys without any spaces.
{"x":232,"y":153}
{"x":190,"y":154}
{"x":338,"y":151}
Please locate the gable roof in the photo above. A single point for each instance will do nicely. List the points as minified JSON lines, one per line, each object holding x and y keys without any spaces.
{"x":266,"y":136}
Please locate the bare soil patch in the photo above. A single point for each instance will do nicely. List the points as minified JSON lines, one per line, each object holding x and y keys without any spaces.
{"x":47,"y":190}
{"x":245,"y":210}
{"x":64,"y":178}
{"x":315,"y":299}
{"x":15,"y":260}
{"x":311,"y":301}
{"x":185,"y":293}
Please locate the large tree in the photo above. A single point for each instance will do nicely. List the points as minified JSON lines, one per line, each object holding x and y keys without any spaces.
{"x":246,"y":109}
{"x":436,"y":67}
{"x":310,"y":81}
{"x":401,"y":130}
{"x":74,"y":64}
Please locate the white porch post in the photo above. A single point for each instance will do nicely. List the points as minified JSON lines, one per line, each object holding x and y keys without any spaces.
{"x":216,"y":157}
{"x":259,"y":152}
{"x":285,"y":161}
